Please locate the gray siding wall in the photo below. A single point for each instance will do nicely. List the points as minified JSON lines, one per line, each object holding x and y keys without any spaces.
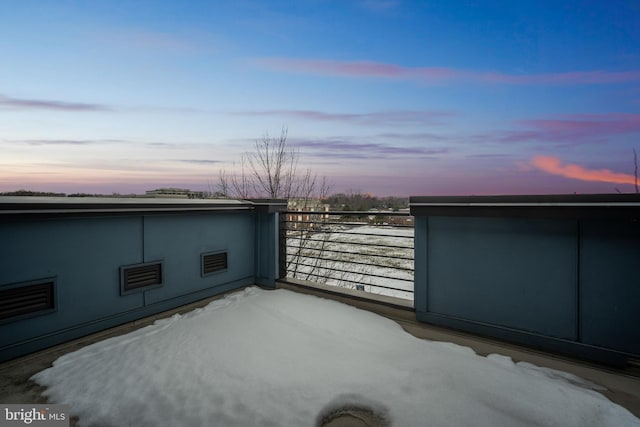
{"x":559,"y":284}
{"x":84,"y":256}
{"x":610,"y":285}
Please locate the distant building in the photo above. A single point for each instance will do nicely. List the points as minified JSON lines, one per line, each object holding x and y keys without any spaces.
{"x":176,"y":193}
{"x":305,"y":207}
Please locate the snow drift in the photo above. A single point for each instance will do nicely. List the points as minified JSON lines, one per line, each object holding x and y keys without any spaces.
{"x":279,"y":358}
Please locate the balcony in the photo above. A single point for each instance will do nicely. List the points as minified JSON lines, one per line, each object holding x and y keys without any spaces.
{"x":537,"y":275}
{"x":371,"y":252}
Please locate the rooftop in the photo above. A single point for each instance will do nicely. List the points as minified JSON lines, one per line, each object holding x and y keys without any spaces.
{"x":243,"y":309}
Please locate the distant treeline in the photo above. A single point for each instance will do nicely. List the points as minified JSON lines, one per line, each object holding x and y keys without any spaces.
{"x":365,"y":202}
{"x":33,"y":193}
{"x":51,"y":194}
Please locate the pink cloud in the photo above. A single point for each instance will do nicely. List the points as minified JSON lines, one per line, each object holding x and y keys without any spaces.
{"x":554,"y":166}
{"x":576,"y":128}
{"x":567,"y":78}
{"x":358,"y":69}
{"x":441,"y":74}
{"x":611,"y":123}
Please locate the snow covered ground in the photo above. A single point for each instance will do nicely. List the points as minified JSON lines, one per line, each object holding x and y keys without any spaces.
{"x":279,"y":358}
{"x":357,"y":255}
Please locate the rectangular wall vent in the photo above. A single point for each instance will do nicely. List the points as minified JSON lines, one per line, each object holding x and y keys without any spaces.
{"x":140,"y":277}
{"x":26,"y":300}
{"x":214,"y":262}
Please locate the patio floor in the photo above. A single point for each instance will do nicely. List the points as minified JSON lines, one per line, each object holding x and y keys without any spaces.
{"x":623,"y":387}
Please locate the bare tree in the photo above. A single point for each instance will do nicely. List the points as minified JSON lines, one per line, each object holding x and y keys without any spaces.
{"x":635,"y":169}
{"x":271,"y":171}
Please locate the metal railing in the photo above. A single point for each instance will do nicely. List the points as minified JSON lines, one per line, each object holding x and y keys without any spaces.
{"x":366,"y":251}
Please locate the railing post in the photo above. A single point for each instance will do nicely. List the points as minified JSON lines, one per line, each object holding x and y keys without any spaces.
{"x":267,"y":248}
{"x":282,"y":245}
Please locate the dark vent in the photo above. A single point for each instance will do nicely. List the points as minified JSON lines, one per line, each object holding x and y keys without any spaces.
{"x":25,"y":300}
{"x":140,"y":277}
{"x":214,"y":262}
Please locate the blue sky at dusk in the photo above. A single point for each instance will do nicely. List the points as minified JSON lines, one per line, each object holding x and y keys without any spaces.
{"x":389,"y":97}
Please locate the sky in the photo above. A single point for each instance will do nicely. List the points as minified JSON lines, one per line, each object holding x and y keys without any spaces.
{"x":389,"y":97}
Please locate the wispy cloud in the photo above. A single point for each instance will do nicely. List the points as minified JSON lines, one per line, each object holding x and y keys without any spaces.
{"x":575,"y":128}
{"x":50,"y":142}
{"x":554,"y":166}
{"x":178,"y":145}
{"x":345,"y":149}
{"x":168,"y":145}
{"x":154,"y":146}
{"x":564,"y":78}
{"x":489,"y":156}
{"x":200,"y":161}
{"x":160,"y":109}
{"x":420,"y":136}
{"x":41,"y":104}
{"x":371,"y":69}
{"x":379,"y":117}
{"x":11,"y":103}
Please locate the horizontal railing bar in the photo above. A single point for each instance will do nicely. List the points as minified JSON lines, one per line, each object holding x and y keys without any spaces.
{"x":350,"y":213}
{"x":347,"y":223}
{"x":353,"y":262}
{"x":351,"y":272}
{"x":357,"y":282}
{"x":300,"y":253}
{"x":356,"y":234}
{"x":317,"y":256}
{"x":349,"y":253}
{"x":308,"y":238}
{"x":347,"y":232}
{"x":311,"y":241}
{"x":363,"y":284}
{"x":378,"y":245}
{"x":353,"y":223}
